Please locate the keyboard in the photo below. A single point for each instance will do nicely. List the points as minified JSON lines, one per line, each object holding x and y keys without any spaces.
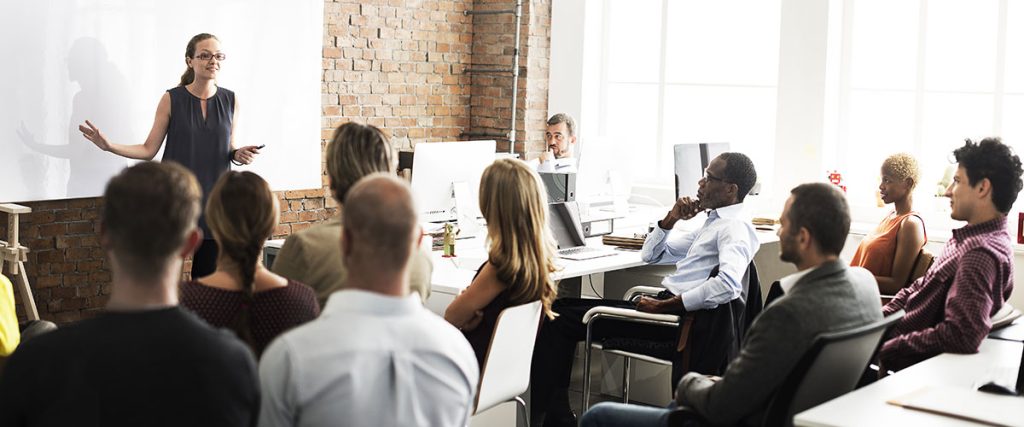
{"x":578,"y":250}
{"x":580,"y":253}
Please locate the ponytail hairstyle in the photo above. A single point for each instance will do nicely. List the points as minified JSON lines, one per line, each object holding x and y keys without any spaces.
{"x":242,"y":214}
{"x":190,"y":52}
{"x":520,"y":245}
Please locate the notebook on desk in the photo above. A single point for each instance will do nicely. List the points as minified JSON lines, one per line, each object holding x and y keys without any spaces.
{"x":966,"y":404}
{"x":973,"y":405}
{"x":564,"y":218}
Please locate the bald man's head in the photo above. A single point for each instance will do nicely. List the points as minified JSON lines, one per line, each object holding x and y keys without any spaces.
{"x":381,"y":222}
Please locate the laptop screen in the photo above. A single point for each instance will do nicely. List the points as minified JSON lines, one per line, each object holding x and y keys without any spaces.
{"x":564,"y":220}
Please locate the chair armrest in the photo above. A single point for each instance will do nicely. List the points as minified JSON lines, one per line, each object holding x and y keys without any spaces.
{"x":642,"y":290}
{"x":684,"y":416}
{"x":629,"y":315}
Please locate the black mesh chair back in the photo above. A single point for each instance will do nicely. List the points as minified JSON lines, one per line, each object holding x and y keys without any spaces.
{"x":829,"y":369}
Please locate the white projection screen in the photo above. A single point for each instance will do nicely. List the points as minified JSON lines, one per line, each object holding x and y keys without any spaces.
{"x":110,"y":61}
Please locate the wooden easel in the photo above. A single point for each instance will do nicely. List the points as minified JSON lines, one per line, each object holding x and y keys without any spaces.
{"x":15,"y":255}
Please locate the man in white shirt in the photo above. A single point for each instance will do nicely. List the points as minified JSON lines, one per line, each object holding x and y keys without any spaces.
{"x":562,"y":151}
{"x":726,"y":240}
{"x":375,"y":356}
{"x":724,"y":245}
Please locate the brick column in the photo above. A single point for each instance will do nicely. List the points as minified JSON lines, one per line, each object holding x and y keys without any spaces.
{"x":493,"y":43}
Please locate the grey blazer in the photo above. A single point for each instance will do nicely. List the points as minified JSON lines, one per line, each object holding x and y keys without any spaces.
{"x":832,"y":297}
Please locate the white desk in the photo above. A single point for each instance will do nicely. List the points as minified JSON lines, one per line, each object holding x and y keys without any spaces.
{"x":452,"y":275}
{"x":867,"y":407}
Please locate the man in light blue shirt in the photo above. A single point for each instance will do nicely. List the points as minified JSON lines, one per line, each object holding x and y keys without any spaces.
{"x":725,"y":245}
{"x":375,"y":356}
{"x":726,"y":240}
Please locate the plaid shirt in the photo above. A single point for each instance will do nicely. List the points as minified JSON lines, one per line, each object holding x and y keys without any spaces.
{"x":949,"y":310}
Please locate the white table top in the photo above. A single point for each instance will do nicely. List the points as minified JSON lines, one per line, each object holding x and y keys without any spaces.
{"x":452,"y":275}
{"x":997,"y":359}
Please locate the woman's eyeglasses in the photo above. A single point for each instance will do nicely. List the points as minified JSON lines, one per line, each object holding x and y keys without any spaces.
{"x":206,"y":56}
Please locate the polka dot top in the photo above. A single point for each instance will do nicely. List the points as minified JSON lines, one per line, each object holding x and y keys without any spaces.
{"x":273,"y":311}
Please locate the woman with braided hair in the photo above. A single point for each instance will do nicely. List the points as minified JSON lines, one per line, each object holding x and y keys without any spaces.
{"x":242,"y":294}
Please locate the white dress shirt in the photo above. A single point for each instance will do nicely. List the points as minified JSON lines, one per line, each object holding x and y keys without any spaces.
{"x":369,"y":360}
{"x":727,"y":240}
{"x":786,"y":283}
{"x":563,"y":165}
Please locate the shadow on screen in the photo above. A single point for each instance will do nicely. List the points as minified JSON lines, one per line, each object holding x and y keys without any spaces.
{"x":103,"y":99}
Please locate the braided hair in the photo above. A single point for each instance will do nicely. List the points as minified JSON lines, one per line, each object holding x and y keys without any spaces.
{"x":242,"y":214}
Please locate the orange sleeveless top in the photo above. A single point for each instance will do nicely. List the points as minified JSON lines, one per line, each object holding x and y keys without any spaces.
{"x":877,"y":250}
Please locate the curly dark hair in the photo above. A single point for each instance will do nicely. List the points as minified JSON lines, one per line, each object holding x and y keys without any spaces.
{"x":739,"y":170}
{"x":992,"y":159}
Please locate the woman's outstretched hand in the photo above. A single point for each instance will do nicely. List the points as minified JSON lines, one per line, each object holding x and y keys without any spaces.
{"x":92,"y":133}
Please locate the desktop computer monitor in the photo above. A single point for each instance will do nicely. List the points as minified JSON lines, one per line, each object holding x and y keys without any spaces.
{"x":690,"y":162}
{"x":440,"y":169}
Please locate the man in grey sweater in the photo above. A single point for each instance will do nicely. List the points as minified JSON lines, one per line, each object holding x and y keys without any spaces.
{"x":825,"y":295}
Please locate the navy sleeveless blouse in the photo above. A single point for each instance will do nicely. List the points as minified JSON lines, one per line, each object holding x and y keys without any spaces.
{"x":201,"y":145}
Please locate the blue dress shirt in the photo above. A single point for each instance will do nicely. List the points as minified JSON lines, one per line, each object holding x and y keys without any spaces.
{"x":727,"y":240}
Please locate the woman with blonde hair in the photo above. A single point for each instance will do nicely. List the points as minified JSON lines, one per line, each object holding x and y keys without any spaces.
{"x":889,"y":253}
{"x":520,"y":253}
{"x":242,"y":294}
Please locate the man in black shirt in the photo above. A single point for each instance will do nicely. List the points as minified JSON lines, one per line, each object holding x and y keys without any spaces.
{"x":145,"y":361}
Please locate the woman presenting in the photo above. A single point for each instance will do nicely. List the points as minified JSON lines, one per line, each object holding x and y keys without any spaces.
{"x":197,"y":118}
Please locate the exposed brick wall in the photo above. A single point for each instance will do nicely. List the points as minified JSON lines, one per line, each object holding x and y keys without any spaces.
{"x":398,"y":66}
{"x":534,"y":87}
{"x":493,"y":46}
{"x":66,"y":267}
{"x":393,"y":63}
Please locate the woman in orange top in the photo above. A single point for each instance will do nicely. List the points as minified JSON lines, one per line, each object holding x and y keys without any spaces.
{"x":890,"y":251}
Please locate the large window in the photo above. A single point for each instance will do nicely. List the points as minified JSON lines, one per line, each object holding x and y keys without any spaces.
{"x":685,"y":71}
{"x":920,"y":76}
{"x":917,"y":76}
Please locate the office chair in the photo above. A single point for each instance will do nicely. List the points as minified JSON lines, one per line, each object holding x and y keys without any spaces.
{"x":829,"y":369}
{"x":727,"y":320}
{"x":505,"y":373}
{"x":923,"y":261}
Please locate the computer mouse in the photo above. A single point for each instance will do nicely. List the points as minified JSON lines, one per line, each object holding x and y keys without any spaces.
{"x":997,"y":389}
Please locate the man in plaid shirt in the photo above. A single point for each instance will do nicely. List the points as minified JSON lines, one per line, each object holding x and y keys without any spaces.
{"x":949,"y":310}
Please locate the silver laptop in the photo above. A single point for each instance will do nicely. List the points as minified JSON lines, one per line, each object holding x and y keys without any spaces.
{"x":564,"y":218}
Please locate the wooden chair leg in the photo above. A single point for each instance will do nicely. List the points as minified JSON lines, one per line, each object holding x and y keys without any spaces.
{"x":26,"y":293}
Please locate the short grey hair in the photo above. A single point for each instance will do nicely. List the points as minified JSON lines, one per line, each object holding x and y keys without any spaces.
{"x":570,"y":124}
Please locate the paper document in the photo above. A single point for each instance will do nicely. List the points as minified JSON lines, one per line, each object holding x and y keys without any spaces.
{"x":965,"y":403}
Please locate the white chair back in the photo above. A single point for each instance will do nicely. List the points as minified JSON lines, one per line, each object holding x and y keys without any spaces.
{"x":506,"y":370}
